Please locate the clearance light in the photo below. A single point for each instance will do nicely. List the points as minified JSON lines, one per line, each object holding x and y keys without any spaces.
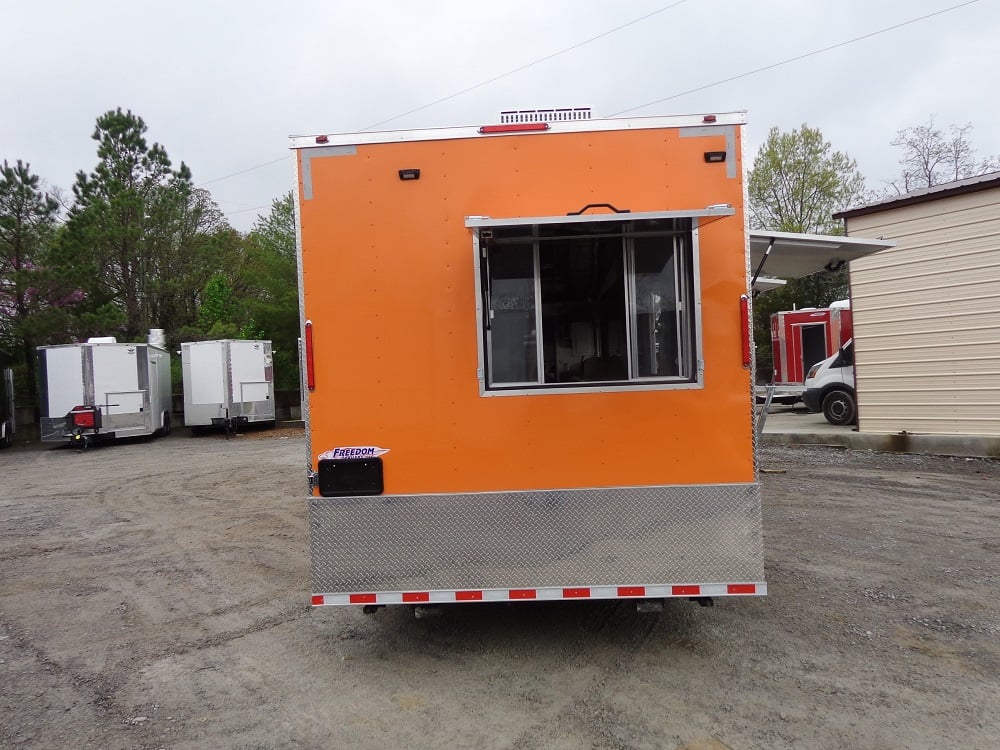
{"x":708,"y":119}
{"x":310,"y":368}
{"x":521,"y":127}
{"x":714,"y":157}
{"x":409,"y":174}
{"x":322,"y":139}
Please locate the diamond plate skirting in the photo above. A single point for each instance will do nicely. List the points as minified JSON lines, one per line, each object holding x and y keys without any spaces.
{"x":620,"y":536}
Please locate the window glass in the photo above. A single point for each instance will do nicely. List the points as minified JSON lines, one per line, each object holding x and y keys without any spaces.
{"x":583,"y":309}
{"x":657,"y":333}
{"x":591,"y":302}
{"x":511,"y":325}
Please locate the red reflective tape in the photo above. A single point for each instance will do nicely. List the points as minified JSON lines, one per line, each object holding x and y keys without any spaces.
{"x":745,"y":328}
{"x":631,"y":591}
{"x":685,"y":590}
{"x":318,"y":600}
{"x":741,"y":588}
{"x":522,"y":127}
{"x":580,"y":593}
{"x":413,"y":597}
{"x":468,"y":596}
{"x":362,"y":598}
{"x":522,"y":593}
{"x":310,"y":366}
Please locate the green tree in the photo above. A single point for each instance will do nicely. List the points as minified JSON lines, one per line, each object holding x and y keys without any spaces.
{"x":796,"y":184}
{"x":128,"y":219}
{"x":932,"y":157}
{"x":272,"y":273}
{"x":28,"y":218}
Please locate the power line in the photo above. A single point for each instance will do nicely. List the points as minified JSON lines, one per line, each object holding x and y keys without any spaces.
{"x":528,"y":65}
{"x":242,"y":171}
{"x":244,"y":210}
{"x":796,"y":59}
{"x":470,"y":88}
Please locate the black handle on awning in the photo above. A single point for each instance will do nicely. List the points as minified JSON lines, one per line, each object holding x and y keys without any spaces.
{"x":599,"y":205}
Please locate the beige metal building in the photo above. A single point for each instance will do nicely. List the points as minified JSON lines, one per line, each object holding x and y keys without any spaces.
{"x":927,"y":312}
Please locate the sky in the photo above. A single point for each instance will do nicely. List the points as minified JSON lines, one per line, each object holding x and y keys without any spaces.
{"x":222,"y":85}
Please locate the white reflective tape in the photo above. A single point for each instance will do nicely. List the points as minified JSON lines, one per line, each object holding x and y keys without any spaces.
{"x":567,"y":593}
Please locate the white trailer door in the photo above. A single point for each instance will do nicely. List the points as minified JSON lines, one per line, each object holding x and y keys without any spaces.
{"x":247,"y":364}
{"x":63,"y":379}
{"x":116,"y":387}
{"x":208,"y":373}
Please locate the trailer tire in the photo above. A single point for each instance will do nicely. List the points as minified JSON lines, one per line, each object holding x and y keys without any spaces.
{"x":839,"y":407}
{"x":165,"y":430}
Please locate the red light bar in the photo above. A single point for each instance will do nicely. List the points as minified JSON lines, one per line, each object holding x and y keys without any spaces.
{"x":310,"y":368}
{"x":745,"y":328}
{"x":520,"y":127}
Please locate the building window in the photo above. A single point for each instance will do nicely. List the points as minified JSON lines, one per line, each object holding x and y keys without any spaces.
{"x":571,"y":305}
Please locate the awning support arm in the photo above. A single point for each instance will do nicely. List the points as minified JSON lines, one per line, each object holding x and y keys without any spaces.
{"x":760,"y":266}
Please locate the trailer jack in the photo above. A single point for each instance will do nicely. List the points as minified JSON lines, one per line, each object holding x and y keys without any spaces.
{"x":79,"y":441}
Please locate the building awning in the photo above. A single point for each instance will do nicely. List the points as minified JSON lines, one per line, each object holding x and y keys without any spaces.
{"x":767,"y":283}
{"x":793,"y":256}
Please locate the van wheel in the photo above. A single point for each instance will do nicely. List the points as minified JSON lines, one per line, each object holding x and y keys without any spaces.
{"x":839,"y":407}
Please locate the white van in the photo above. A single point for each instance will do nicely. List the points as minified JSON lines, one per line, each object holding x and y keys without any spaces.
{"x":829,"y":387}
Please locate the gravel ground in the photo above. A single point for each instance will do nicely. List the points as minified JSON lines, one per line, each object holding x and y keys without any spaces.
{"x":153,"y":594}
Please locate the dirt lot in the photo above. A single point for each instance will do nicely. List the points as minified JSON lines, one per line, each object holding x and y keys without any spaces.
{"x":154,"y":594}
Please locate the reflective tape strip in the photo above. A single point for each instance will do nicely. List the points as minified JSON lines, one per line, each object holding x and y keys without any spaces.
{"x":664,"y":591}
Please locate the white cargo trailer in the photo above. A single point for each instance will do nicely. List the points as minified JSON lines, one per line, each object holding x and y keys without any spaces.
{"x":227,"y":383}
{"x":103,"y":389}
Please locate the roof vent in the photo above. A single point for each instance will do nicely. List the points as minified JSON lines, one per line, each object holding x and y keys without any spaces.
{"x":545,"y":115}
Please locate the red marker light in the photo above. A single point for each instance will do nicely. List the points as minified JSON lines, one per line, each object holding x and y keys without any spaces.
{"x":708,"y":118}
{"x":310,"y":367}
{"x":322,"y":139}
{"x":520,"y":127}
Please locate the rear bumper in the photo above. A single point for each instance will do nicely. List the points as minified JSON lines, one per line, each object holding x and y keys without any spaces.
{"x":644,"y":542}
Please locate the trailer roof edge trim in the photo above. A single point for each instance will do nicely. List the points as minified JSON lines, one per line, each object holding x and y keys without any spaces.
{"x":486,"y":221}
{"x":320,"y":140}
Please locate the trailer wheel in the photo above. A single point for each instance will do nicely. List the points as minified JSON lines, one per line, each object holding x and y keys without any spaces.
{"x":839,"y":407}
{"x":166,"y":424}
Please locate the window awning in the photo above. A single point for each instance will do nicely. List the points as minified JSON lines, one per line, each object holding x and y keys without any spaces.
{"x":722,"y":209}
{"x":795,"y":255}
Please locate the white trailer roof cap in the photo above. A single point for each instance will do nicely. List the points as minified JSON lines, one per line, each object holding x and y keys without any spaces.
{"x":793,"y":256}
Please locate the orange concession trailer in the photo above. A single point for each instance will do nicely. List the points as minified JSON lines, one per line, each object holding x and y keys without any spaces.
{"x":527,"y":361}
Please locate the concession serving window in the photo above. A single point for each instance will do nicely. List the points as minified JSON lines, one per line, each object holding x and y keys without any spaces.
{"x":581,"y":302}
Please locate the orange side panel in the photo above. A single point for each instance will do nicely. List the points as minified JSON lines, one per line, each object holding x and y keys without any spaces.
{"x":390,"y":287}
